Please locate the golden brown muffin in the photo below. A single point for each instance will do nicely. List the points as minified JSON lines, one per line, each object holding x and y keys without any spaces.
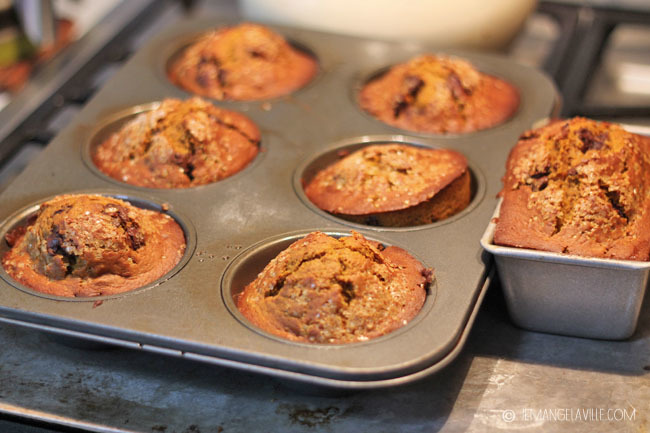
{"x":439,"y":94}
{"x":91,"y":245}
{"x":327,"y":290}
{"x":243,"y":63}
{"x":393,"y":185}
{"x":580,"y":187}
{"x":180,"y":144}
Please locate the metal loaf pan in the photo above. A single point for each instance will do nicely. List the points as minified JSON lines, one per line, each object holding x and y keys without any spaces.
{"x":568,"y":294}
{"x":242,"y":221}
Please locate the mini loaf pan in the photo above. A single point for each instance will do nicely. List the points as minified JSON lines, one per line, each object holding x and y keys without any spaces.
{"x":242,"y":220}
{"x":567,"y":294}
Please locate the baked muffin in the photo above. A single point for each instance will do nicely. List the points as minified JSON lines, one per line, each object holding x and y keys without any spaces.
{"x":393,"y":185}
{"x":439,"y":94}
{"x":243,"y":63}
{"x":180,"y":144}
{"x":91,"y":245}
{"x":578,"y":186}
{"x":327,"y":290}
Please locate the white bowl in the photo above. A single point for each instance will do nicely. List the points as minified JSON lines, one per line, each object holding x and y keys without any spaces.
{"x":445,"y":23}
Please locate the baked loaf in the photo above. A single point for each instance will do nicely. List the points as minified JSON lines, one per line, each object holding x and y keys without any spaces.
{"x":245,"y":62}
{"x":180,"y":144}
{"x":90,"y":245}
{"x":327,"y":290}
{"x":580,"y":187}
{"x":439,"y":94}
{"x":393,"y":185}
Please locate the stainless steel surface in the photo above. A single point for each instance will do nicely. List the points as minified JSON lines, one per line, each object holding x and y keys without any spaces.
{"x":569,"y":295}
{"x":500,"y":369}
{"x":622,"y":79}
{"x":632,"y":5}
{"x":37,"y":20}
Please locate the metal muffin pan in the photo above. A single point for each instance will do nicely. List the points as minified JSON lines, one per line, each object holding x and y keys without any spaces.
{"x":568,"y":294}
{"x":188,"y":315}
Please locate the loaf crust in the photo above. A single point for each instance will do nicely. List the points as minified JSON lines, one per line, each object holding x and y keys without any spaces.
{"x":180,"y":144}
{"x":91,"y":245}
{"x":327,"y":290}
{"x":245,"y":62}
{"x":439,"y":94}
{"x":578,"y":186}
{"x":393,"y":185}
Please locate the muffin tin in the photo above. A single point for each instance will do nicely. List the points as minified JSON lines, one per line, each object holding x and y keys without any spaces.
{"x":244,"y":220}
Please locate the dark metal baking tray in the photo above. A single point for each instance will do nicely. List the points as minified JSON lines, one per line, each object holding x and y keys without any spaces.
{"x":188,"y":314}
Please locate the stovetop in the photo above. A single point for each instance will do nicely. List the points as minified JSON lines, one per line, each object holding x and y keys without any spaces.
{"x":599,"y":55}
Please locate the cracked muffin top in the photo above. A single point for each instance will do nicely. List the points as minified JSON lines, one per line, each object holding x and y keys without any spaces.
{"x":333,"y":291}
{"x":243,"y":63}
{"x":180,"y":144}
{"x":91,"y":245}
{"x":578,"y":186}
{"x":439,"y":94}
{"x":384,"y":177}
